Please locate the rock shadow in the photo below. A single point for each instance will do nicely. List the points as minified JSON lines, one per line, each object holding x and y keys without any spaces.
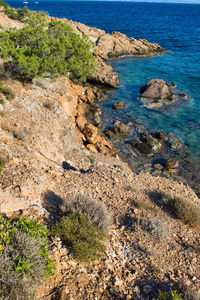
{"x":52,"y":203}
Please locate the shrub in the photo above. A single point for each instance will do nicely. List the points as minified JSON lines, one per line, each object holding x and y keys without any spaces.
{"x":54,"y":49}
{"x":83,"y":239}
{"x":24,"y":258}
{"x":7,"y":92}
{"x":4,"y":4}
{"x":2,"y":164}
{"x":171,"y":295}
{"x":95,"y":212}
{"x":184,"y":209}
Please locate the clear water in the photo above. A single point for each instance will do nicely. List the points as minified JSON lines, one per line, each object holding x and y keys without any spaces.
{"x":175,"y":27}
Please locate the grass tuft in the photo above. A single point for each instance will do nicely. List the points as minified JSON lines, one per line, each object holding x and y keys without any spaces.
{"x":181,"y":208}
{"x":95,"y":212}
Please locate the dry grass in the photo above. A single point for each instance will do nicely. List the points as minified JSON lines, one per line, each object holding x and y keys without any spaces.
{"x":181,"y":208}
{"x":95,"y":212}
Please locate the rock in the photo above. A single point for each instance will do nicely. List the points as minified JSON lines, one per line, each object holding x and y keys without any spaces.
{"x":81,"y":122}
{"x":122,"y":128}
{"x":156,"y":89}
{"x":152,"y":142}
{"x":172,"y":85}
{"x":119,"y":105}
{"x":109,"y":133}
{"x":161,"y":136}
{"x":147,"y":289}
{"x":183,"y":95}
{"x":171,"y":163}
{"x":158,"y":166}
{"x":105,"y":74}
{"x":90,"y":132}
{"x":91,"y":148}
{"x":142,"y":147}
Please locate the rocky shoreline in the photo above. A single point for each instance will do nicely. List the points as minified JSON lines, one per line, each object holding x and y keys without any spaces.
{"x":52,"y":152}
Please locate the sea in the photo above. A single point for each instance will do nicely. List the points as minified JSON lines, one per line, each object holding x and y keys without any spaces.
{"x":176,"y":27}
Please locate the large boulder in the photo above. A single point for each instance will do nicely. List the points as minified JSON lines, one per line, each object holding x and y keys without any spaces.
{"x":156,"y":89}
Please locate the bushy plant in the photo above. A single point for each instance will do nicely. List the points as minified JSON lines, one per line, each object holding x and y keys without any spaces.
{"x":171,"y":295}
{"x":95,"y":212}
{"x":2,"y":164}
{"x":181,"y":208}
{"x":24,"y":258}
{"x":83,"y":239}
{"x":4,"y":4}
{"x":54,"y":49}
{"x":17,"y":14}
{"x":7,"y":92}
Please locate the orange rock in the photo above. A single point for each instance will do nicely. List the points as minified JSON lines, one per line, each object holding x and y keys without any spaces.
{"x":91,"y":148}
{"x":80,"y":122}
{"x":90,"y":132}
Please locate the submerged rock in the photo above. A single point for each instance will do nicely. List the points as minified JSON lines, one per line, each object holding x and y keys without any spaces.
{"x":119,"y":105}
{"x":143,"y":148}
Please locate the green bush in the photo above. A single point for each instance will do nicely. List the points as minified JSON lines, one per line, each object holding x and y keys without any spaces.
{"x":181,"y":208}
{"x":17,"y":14}
{"x":4,"y":4}
{"x":171,"y":295}
{"x":2,"y":164}
{"x":24,"y":258}
{"x":54,"y":49}
{"x":7,"y":92}
{"x":83,"y":239}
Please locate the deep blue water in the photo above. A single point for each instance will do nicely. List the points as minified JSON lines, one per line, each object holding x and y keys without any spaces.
{"x":175,"y":27}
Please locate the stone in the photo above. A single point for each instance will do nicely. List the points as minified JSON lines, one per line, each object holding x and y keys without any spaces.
{"x":158,"y":166}
{"x":90,"y":132}
{"x":156,"y":89}
{"x":123,"y":128}
{"x":91,"y":148}
{"x":109,"y":133}
{"x":143,"y":148}
{"x":171,"y":163}
{"x":161,"y":136}
{"x":81,"y":122}
{"x":119,"y":105}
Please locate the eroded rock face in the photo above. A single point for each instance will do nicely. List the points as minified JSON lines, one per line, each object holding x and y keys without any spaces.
{"x":156,"y":89}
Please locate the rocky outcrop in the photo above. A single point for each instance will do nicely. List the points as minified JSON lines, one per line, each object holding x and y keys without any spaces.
{"x":156,"y":89}
{"x":157,"y":93}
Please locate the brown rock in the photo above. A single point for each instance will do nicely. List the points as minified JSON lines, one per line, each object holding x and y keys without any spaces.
{"x":171,"y":163}
{"x":81,"y":122}
{"x":90,"y":132}
{"x":119,"y":105}
{"x":91,"y":148}
{"x":156,"y":89}
{"x":122,"y":128}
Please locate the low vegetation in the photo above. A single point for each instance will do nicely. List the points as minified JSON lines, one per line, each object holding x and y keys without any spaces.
{"x":4,"y":4}
{"x":24,"y":258}
{"x":17,"y":14}
{"x":95,"y":212}
{"x":7,"y":92}
{"x":181,"y":208}
{"x":171,"y":295}
{"x":45,"y":48}
{"x":1,"y":165}
{"x":83,"y":239}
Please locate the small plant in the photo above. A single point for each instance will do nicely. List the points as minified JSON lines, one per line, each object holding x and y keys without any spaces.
{"x":95,"y":212}
{"x":7,"y":92}
{"x":83,"y":239}
{"x":181,"y":208}
{"x":17,"y":14}
{"x":171,"y":295}
{"x":91,"y":159}
{"x":2,"y":101}
{"x":24,"y":258}
{"x":2,"y":164}
{"x":157,"y":228}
